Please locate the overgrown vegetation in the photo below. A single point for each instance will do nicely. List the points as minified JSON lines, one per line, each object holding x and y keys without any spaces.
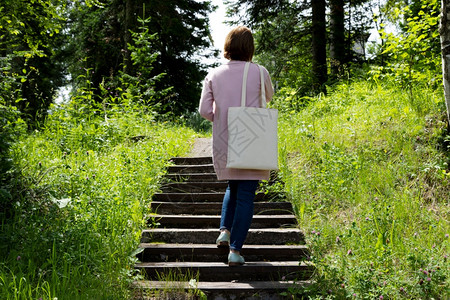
{"x":367,"y":170}
{"x":84,"y":181}
{"x":75,"y":191}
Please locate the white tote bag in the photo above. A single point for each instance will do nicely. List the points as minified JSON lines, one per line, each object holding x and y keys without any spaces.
{"x":252,"y":133}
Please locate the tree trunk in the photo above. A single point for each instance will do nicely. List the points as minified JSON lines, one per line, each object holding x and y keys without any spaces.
{"x":319,"y":45}
{"x":337,"y":38}
{"x":130,"y":24}
{"x":445,"y":46}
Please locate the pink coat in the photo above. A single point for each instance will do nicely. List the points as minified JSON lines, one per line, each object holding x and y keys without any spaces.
{"x":222,"y":89}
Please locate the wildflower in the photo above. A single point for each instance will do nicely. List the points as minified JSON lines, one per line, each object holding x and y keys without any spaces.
{"x":376,"y":199}
{"x":338,"y":239}
{"x":354,"y":294}
{"x":313,"y":232}
{"x":18,"y":258}
{"x":317,"y":233}
{"x":446,"y":235}
{"x":40,"y":164}
{"x":367,"y":219}
{"x":381,"y":297}
{"x":425,"y":272}
{"x":87,"y":177}
{"x":343,"y":285}
{"x":428,"y":279}
{"x":76,"y":153}
{"x":193,"y":283}
{"x":349,"y":252}
{"x":330,"y":291}
{"x":402,"y":290}
{"x":415,"y":234}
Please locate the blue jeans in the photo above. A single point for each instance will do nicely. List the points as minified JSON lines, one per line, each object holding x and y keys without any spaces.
{"x":237,"y":210}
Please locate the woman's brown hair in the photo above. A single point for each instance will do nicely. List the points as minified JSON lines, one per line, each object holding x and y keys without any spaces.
{"x":239,"y":44}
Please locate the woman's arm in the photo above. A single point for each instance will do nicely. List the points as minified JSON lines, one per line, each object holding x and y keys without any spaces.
{"x":268,"y":85}
{"x":206,"y":108}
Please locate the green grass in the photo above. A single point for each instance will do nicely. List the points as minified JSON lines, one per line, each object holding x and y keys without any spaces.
{"x":84,"y":183}
{"x":365,"y":167}
{"x":367,"y":171}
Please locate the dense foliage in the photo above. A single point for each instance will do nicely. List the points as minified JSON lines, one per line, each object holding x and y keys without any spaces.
{"x":101,"y":42}
{"x":298,"y":43}
{"x":30,"y":55}
{"x":75,"y":220}
{"x":368,"y":172}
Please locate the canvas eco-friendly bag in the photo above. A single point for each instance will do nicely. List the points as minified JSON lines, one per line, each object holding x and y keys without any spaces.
{"x":252,"y":133}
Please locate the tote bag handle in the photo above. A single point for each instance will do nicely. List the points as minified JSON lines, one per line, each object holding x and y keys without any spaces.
{"x":244,"y":86}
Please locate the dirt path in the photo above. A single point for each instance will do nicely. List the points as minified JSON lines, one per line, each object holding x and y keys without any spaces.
{"x":202,"y":147}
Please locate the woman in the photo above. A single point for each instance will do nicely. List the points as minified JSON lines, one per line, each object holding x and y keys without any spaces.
{"x":221,"y":90}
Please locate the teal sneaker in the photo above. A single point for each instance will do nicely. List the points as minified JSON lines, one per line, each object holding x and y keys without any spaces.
{"x":235,"y":259}
{"x":223,"y":241}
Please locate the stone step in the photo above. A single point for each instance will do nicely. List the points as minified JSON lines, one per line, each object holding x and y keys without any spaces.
{"x":194,"y":177}
{"x":219,"y":271}
{"x":210,"y":252}
{"x":266,"y":236}
{"x":209,"y":208}
{"x":190,"y":169}
{"x":194,"y":187}
{"x":210,"y":221}
{"x":248,"y":290}
{"x":192,"y":160}
{"x":204,"y":197}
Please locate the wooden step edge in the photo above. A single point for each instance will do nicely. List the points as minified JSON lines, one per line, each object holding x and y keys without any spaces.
{"x":219,"y":183}
{"x":233,"y":286}
{"x":260,"y":203}
{"x":210,"y":252}
{"x":216,"y":231}
{"x":265,"y":251}
{"x":213,"y":246}
{"x":215,"y":217}
{"x":200,"y":197}
{"x":195,"y":175}
{"x":215,"y":207}
{"x":202,"y":264}
{"x":191,"y":166}
{"x":191,"y":160}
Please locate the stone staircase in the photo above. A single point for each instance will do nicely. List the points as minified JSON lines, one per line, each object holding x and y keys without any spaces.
{"x":183,"y":245}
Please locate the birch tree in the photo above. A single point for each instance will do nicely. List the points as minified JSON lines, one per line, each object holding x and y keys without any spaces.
{"x":445,"y":46}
